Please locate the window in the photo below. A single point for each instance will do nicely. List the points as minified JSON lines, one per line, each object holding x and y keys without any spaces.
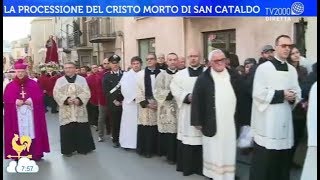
{"x":95,"y":60}
{"x":299,"y":36}
{"x":146,"y":46}
{"x":107,"y":54}
{"x":85,"y":61}
{"x":224,"y":40}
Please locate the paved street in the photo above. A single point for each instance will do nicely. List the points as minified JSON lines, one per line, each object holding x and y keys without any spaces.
{"x":105,"y":163}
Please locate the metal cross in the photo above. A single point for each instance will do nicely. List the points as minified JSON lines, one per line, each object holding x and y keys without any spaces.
{"x":22,"y":93}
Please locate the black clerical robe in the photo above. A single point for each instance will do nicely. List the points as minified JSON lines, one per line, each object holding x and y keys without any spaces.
{"x":189,"y":145}
{"x":75,"y":132}
{"x":271,"y":122}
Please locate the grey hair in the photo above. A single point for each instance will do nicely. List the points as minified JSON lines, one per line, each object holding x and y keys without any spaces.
{"x":71,"y":63}
{"x":216,"y":51}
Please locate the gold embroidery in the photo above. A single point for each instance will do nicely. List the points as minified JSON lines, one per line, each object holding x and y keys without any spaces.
{"x":219,"y":169}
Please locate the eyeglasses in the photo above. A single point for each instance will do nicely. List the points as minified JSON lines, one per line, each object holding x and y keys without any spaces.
{"x":150,"y":59}
{"x":220,"y":60}
{"x":290,"y":46}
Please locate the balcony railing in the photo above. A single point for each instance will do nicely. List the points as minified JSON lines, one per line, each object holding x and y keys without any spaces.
{"x":102,"y":30}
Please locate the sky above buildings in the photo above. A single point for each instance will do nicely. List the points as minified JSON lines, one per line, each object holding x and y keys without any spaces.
{"x":16,"y":27}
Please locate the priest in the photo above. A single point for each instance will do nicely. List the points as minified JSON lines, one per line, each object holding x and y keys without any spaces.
{"x":213,"y":109}
{"x":147,"y":139}
{"x":72,"y":93}
{"x":310,"y":165}
{"x":189,"y":145}
{"x":273,"y":100}
{"x":24,"y":115}
{"x":129,"y":118}
{"x":161,"y":64}
{"x":167,"y":110}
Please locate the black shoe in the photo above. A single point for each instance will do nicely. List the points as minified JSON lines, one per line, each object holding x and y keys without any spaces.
{"x":54,"y":112}
{"x":116,"y":145}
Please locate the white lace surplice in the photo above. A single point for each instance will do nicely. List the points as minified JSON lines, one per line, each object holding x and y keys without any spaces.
{"x":26,"y":120}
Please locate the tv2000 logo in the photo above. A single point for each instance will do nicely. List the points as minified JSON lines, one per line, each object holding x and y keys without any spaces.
{"x":297,"y":8}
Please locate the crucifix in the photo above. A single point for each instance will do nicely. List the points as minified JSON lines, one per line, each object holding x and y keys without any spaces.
{"x":22,"y":93}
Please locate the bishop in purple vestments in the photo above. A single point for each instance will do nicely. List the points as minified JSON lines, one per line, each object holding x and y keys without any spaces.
{"x":24,"y":115}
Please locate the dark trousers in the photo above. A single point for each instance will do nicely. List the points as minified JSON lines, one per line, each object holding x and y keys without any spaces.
{"x":93,"y":114}
{"x":53,"y":104}
{"x":46,"y":101}
{"x":116,"y":121}
{"x":108,"y":121}
{"x":269,"y":164}
{"x":299,"y":128}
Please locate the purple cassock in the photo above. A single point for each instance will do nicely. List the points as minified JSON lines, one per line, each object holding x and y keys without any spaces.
{"x":23,"y":89}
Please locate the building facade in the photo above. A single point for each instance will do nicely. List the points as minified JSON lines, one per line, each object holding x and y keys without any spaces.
{"x":106,"y":36}
{"x":41,"y":29}
{"x":7,"y":56}
{"x":65,"y":32}
{"x":242,"y":36}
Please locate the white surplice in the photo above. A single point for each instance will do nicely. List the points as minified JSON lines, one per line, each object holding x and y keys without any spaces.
{"x":167,"y":109}
{"x":182,"y":85}
{"x":310,"y":164}
{"x":26,"y":120}
{"x":129,"y":118}
{"x":219,"y":151}
{"x":62,"y":90}
{"x":272,"y":123}
{"x":146,"y":116}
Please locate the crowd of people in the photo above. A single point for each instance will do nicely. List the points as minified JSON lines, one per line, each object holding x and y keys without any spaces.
{"x":192,"y":113}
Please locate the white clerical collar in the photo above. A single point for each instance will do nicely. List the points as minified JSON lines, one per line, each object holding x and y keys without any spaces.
{"x":172,"y":70}
{"x":278,"y":59}
{"x":116,"y":72}
{"x":152,"y":69}
{"x":195,"y":68}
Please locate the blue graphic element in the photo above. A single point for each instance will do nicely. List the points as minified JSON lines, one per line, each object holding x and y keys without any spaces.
{"x":169,"y":8}
{"x":297,"y":8}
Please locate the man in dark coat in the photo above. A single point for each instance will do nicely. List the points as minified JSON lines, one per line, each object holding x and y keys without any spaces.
{"x":111,"y":88}
{"x":213,"y":110}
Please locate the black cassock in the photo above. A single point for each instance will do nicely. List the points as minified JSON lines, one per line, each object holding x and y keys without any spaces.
{"x":147,"y":136}
{"x":76,"y":136}
{"x":271,"y":164}
{"x":189,"y":157}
